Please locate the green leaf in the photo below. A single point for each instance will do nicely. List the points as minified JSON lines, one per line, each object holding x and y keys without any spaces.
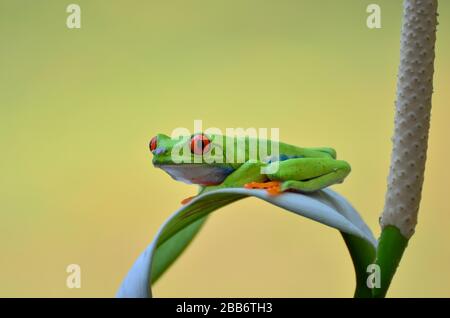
{"x":326,"y":207}
{"x":168,"y":252}
{"x":390,"y":250}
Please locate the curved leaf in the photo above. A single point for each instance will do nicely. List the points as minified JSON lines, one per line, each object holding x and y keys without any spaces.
{"x":325,"y":206}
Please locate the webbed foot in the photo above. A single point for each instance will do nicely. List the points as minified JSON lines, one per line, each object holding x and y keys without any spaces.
{"x":272,"y":187}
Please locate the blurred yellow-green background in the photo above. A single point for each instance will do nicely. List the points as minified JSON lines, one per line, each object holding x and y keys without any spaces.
{"x":78,"y":107}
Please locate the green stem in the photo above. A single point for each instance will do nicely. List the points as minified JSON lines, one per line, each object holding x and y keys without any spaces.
{"x":391,"y":246}
{"x":363,"y":254}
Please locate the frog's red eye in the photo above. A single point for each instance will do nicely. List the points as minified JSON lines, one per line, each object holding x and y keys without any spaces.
{"x":199,"y":144}
{"x":153,"y":144}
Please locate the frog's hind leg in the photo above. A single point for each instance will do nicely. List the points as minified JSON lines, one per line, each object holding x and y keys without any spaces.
{"x":309,"y":185}
{"x":308,"y":175}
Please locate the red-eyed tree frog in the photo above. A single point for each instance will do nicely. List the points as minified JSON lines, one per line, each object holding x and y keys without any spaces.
{"x":217,"y":161}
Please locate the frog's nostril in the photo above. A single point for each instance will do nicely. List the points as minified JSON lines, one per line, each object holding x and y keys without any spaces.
{"x":159,"y":150}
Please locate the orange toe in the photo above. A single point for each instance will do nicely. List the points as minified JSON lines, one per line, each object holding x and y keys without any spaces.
{"x":261,"y":185}
{"x":272,"y":187}
{"x":274,"y":190}
{"x":187,"y":200}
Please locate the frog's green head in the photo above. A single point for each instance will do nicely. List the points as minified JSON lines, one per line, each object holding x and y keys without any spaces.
{"x":186,"y":149}
{"x":161,"y":147}
{"x":190,"y":159}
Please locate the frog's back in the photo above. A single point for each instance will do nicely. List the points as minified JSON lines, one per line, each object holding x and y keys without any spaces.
{"x":286,"y":151}
{"x":299,"y":152}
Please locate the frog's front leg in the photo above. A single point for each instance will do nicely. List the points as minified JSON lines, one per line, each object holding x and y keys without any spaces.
{"x":246,"y":173}
{"x":309,"y":174}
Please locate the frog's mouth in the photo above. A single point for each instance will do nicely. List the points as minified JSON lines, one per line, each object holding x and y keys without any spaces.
{"x":202,"y":174}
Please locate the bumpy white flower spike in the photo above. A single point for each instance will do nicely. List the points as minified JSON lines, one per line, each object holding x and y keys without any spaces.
{"x":410,"y":140}
{"x":412,"y":118}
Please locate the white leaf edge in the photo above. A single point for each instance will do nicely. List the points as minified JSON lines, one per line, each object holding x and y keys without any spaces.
{"x":325,"y":206}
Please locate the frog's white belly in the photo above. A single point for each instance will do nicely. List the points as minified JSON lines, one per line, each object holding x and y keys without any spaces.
{"x":202,"y":174}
